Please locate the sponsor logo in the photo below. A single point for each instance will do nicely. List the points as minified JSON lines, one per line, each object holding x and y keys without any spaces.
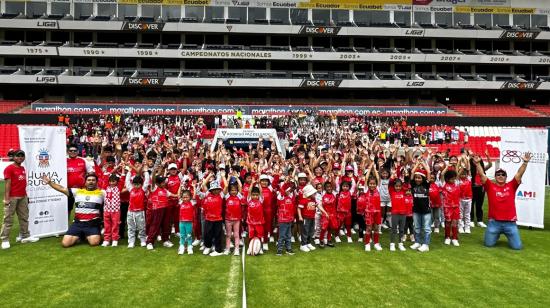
{"x":283,"y":4}
{"x":515,"y":156}
{"x":519,"y":35}
{"x":229,"y":81}
{"x":414,"y":32}
{"x":415,"y":83}
{"x":320,"y":30}
{"x":511,"y":156}
{"x":371,"y":7}
{"x":320,"y":83}
{"x":143,"y":26}
{"x":46,"y":79}
{"x":519,"y":85}
{"x":229,"y":28}
{"x":196,"y":2}
{"x":146,"y":82}
{"x":526,"y":195}
{"x":241,"y":3}
{"x":46,"y":24}
{"x":43,"y":158}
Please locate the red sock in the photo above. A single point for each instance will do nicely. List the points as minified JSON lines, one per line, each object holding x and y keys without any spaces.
{"x":455,"y":232}
{"x":447,"y":230}
{"x":367,"y":238}
{"x":376,"y":237}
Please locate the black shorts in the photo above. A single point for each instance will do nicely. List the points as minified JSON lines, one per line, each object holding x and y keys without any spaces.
{"x":83,"y":229}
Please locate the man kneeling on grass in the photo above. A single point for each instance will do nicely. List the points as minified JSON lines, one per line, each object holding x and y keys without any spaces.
{"x":88,"y":201}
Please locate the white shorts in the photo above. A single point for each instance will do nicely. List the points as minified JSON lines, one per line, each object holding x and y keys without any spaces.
{"x":385,"y":203}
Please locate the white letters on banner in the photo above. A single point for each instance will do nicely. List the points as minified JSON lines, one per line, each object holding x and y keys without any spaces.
{"x":246,"y":134}
{"x":530,"y":194}
{"x":44,"y":147}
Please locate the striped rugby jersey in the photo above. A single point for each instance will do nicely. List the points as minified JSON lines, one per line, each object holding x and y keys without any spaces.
{"x":87,"y":203}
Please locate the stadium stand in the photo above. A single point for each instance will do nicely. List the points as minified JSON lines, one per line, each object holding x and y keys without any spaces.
{"x":543,"y":109}
{"x":493,"y":111}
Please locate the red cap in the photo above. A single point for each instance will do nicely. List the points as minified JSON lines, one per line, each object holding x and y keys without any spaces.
{"x":349,"y":168}
{"x":336,"y":166}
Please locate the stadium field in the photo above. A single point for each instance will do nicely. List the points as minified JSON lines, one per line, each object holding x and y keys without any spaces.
{"x":45,"y":275}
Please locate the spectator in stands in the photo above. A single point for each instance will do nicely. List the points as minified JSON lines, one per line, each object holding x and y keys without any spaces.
{"x":502,"y":205}
{"x":16,"y":201}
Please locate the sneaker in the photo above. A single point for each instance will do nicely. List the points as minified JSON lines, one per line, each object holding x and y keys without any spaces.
{"x":226,"y":252}
{"x":337,"y":239}
{"x":321,"y":245}
{"x":424,"y":248}
{"x":442,"y":225}
{"x":401,"y":247}
{"x":367,"y":247}
{"x":467,"y":230}
{"x":447,"y":241}
{"x":216,"y":254}
{"x":206,"y":251}
{"x":150,"y":247}
{"x":316,"y":241}
{"x":265,"y":247}
{"x":18,"y":238}
{"x":190,"y":250}
{"x":181,"y":250}
{"x":404,"y":238}
{"x":271,"y":239}
{"x":168,"y":244}
{"x":30,"y":239}
{"x":6,"y":245}
{"x":342,"y":233}
{"x":261,"y":251}
{"x":481,"y":224}
{"x":350,"y":240}
{"x":392,"y":247}
{"x":384,"y":226}
{"x":290,"y":252}
{"x":330,"y":244}
{"x":236,"y":252}
{"x":159,"y":238}
{"x":177,"y":235}
{"x":455,"y":243}
{"x":412,"y":238}
{"x":196,"y":242}
{"x":436,"y":230}
{"x":460,"y":230}
{"x":275,"y":230}
{"x":353,"y":231}
{"x":143,"y":244}
{"x":131,"y":245}
{"x":241,"y":242}
{"x":472,"y":224}
{"x":114,"y":244}
{"x":304,"y":248}
{"x":292,"y":239}
{"x":279,"y":253}
{"x":415,"y":246}
{"x":377,"y":247}
{"x":201,"y":248}
{"x":311,"y":247}
{"x":173,"y":230}
{"x":105,"y":243}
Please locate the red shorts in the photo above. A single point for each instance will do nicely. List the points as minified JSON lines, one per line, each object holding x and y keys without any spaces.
{"x":451,"y":213}
{"x":373,"y":218}
{"x":255,"y":231}
{"x":342,"y":216}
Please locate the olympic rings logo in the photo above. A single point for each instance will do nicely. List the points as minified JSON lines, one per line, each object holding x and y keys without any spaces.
{"x":511,"y":156}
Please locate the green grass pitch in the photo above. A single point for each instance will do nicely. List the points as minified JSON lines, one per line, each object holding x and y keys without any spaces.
{"x":45,"y":275}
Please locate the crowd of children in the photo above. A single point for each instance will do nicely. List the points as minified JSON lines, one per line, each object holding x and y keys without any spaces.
{"x":333,"y":180}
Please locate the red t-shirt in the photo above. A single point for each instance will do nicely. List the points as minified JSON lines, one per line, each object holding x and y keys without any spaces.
{"x":451,"y":195}
{"x":502,"y":200}
{"x":307,"y":207}
{"x":18,"y":178}
{"x":361,"y":203}
{"x":344,"y":201}
{"x":233,"y":208}
{"x":398,"y":205}
{"x":187,"y":211}
{"x":212,"y":205}
{"x":465,"y":189}
{"x":76,"y":170}
{"x":255,"y":212}
{"x":137,"y":200}
{"x":435,"y":195}
{"x":329,"y":203}
{"x":286,"y":209}
{"x":372,"y":201}
{"x":267,"y":193}
{"x":409,"y":203}
{"x":159,"y":198}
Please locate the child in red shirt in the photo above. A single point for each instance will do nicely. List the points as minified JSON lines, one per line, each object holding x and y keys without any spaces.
{"x":111,"y":212}
{"x":186,"y":215}
{"x":329,"y":224}
{"x":344,"y":207}
{"x":233,"y":213}
{"x":435,"y":202}
{"x":286,"y":209}
{"x":255,"y":213}
{"x":398,"y":214}
{"x":136,"y":209}
{"x":465,"y":201}
{"x":451,"y":206}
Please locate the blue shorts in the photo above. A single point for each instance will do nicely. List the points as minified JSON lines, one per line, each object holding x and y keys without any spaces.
{"x":83,"y":229}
